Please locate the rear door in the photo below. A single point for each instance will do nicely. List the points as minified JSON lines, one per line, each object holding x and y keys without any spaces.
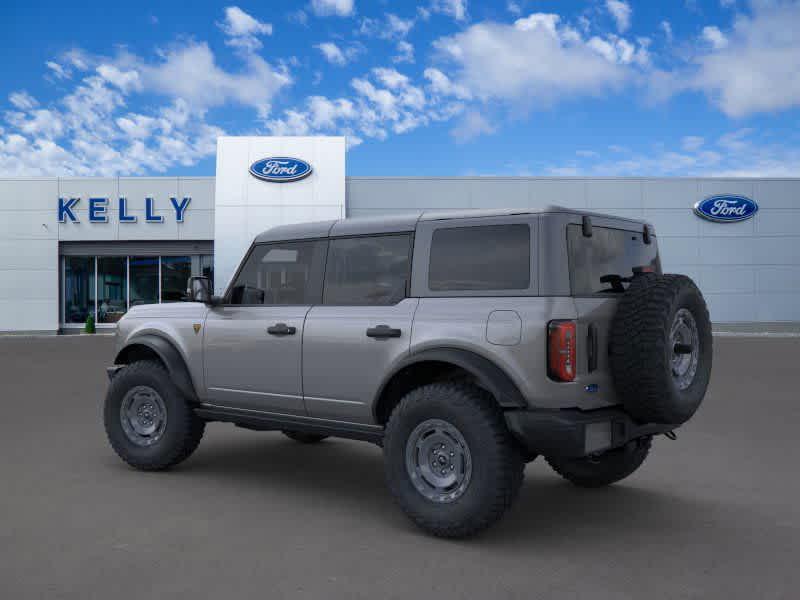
{"x":362,"y":327}
{"x":600,"y":267}
{"x":253,"y":342}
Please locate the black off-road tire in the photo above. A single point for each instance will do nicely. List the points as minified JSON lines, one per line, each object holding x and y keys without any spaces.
{"x":605,"y":469}
{"x":304,"y":437}
{"x":497,"y":463}
{"x":641,"y":351}
{"x":183,"y":430}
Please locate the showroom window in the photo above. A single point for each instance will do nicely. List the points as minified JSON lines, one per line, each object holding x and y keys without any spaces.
{"x":78,"y":288}
{"x":107,"y":286}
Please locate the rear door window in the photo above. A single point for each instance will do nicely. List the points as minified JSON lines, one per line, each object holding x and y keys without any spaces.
{"x":483,"y":257}
{"x":606,"y":261}
{"x":368,"y":270}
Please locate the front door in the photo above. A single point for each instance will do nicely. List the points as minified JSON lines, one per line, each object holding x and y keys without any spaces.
{"x":362,"y":327}
{"x":253,"y":341}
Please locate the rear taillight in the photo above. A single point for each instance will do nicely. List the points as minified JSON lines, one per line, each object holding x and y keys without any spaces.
{"x":561,"y":350}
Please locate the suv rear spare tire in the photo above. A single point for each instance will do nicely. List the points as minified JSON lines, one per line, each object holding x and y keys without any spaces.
{"x":661,"y":348}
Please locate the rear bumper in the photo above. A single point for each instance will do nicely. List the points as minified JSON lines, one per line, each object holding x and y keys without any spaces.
{"x":575,"y":433}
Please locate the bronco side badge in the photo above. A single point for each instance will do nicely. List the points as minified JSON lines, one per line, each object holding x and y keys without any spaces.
{"x":196,"y":327}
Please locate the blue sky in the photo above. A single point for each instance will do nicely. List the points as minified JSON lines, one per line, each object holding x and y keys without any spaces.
{"x":437,"y":87}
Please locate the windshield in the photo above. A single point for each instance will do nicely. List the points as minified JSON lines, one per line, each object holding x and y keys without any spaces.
{"x":605,"y":262}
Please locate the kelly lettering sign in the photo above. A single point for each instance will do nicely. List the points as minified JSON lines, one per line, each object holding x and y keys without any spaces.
{"x":98,"y":210}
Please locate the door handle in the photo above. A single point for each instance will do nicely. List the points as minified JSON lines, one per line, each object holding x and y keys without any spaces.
{"x":383,"y":331}
{"x":281,"y":329}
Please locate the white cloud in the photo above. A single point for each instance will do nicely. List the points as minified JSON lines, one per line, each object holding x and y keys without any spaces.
{"x":758,"y":70}
{"x":58,"y":70}
{"x":336,"y":55}
{"x":471,"y":125}
{"x":441,"y":84}
{"x":453,"y":8}
{"x":385,"y":101}
{"x":727,"y":3}
{"x":22,"y":100}
{"x":666,"y":27}
{"x":90,"y":130}
{"x":514,"y":8}
{"x":735,"y":154}
{"x":339,"y":8}
{"x":243,"y":29}
{"x":391,"y":27}
{"x":692,"y":143}
{"x":715,"y":37}
{"x":398,"y":27}
{"x":537,"y":60}
{"x":405,"y":52}
{"x":191,"y":72}
{"x":621,"y":11}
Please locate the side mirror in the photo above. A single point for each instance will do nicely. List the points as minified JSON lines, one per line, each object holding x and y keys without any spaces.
{"x":199,"y":290}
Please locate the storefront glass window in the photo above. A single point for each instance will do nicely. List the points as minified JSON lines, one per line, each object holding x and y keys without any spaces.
{"x":112,"y":288}
{"x":175,"y":273}
{"x":78,"y":288}
{"x":144,"y":280}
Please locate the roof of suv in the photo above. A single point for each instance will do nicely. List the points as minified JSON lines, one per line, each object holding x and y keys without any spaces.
{"x":396,"y":223}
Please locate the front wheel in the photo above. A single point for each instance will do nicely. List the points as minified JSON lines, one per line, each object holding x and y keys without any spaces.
{"x":603,"y":469}
{"x":451,"y":463}
{"x":148,"y":421}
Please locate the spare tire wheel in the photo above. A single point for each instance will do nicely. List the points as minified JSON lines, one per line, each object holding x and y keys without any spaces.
{"x":661,"y":347}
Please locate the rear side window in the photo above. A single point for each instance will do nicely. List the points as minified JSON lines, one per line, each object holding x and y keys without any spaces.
{"x":485,"y":257}
{"x":369,"y":270}
{"x":604,"y":262}
{"x":281,"y":273}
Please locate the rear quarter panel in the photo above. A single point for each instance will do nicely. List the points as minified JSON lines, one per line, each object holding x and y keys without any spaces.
{"x":462,"y":323}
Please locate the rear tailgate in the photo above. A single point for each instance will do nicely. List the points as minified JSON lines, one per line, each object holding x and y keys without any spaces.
{"x":600,"y":267}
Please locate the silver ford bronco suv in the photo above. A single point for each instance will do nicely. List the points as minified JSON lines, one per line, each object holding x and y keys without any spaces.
{"x":464,"y":344}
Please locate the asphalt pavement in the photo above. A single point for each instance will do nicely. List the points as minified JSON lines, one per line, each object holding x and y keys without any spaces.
{"x":715,"y":514}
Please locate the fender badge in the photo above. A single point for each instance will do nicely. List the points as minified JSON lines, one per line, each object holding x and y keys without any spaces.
{"x":196,"y":327}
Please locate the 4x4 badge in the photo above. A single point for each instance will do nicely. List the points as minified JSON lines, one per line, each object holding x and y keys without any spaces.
{"x":196,"y":327}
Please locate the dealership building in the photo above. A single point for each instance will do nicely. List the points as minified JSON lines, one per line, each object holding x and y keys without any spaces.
{"x":71,"y":247}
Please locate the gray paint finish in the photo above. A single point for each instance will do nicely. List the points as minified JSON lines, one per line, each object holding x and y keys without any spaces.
{"x":748,"y":271}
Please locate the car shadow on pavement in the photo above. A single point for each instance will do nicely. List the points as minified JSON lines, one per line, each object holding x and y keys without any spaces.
{"x":345,"y":475}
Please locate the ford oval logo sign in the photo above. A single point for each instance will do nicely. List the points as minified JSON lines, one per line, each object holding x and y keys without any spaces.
{"x":726,"y":209}
{"x":280,"y":169}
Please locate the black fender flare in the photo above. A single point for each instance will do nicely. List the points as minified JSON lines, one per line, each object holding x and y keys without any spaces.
{"x":169,"y":355}
{"x":489,"y":375}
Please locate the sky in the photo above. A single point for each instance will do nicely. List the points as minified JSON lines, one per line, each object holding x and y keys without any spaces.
{"x":429,"y":88}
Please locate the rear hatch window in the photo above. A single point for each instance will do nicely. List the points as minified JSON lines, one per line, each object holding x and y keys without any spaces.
{"x":605,"y":262}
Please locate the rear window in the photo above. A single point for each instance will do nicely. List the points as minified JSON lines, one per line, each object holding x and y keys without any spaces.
{"x":606,"y":261}
{"x":486,"y":257}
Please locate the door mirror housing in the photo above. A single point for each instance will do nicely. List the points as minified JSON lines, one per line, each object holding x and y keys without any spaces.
{"x":199,"y":290}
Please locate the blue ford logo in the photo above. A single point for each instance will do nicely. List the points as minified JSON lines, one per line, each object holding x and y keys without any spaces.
{"x":726,"y":209}
{"x":280,"y":169}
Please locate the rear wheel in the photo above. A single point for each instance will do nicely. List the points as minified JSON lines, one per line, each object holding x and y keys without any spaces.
{"x":147,"y":420}
{"x":303,"y":437}
{"x":603,"y":469}
{"x":451,"y":464}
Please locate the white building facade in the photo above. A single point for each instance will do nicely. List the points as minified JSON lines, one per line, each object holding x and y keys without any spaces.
{"x":71,"y":248}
